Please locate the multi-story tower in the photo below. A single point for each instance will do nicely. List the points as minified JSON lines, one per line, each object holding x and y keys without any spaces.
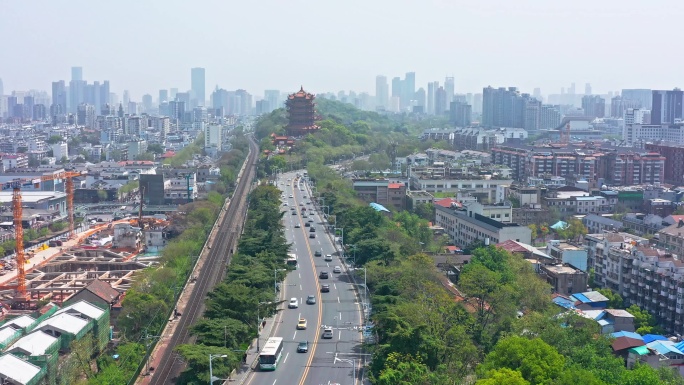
{"x":449,"y":88}
{"x":381,"y":92}
{"x":198,"y":83}
{"x":163,"y":96}
{"x":397,"y":88}
{"x":667,"y":106}
{"x":409,"y":89}
{"x":85,"y":115}
{"x":440,"y":101}
{"x":431,"y":94}
{"x":301,"y":113}
{"x":550,"y":117}
{"x":642,"y":97}
{"x":594,"y":106}
{"x":273,"y":99}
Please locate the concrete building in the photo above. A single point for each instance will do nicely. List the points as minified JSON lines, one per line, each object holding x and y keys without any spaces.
{"x":568,"y":253}
{"x":483,"y":189}
{"x":60,"y":150}
{"x":465,"y":228}
{"x":499,"y":212}
{"x":213,"y":138}
{"x":597,"y":224}
{"x":674,"y":160}
{"x":564,"y":279}
{"x":381,"y":92}
{"x":415,"y":198}
{"x":197,"y":87}
{"x":52,"y":201}
{"x":381,"y":191}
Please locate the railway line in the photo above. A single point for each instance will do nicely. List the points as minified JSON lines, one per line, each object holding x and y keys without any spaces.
{"x":211,"y":271}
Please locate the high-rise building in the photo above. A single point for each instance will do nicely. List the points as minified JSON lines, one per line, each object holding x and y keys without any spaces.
{"x":85,"y":115}
{"x":408,"y":89}
{"x":76,"y":94}
{"x":77,"y":73}
{"x":213,"y":137}
{"x":642,"y":96}
{"x":29,"y":102}
{"x":536,"y":93}
{"x":667,"y":106}
{"x":147,"y":103}
{"x":397,"y":87}
{"x":163,"y":96}
{"x":449,"y":88}
{"x":550,"y":117}
{"x":39,"y":112}
{"x":11,"y":106}
{"x":506,"y":107}
{"x":460,"y":114}
{"x":431,"y":94}
{"x":104,"y":95}
{"x":420,"y":99}
{"x":440,"y":101}
{"x":273,"y":99}
{"x":618,"y":106}
{"x":126,"y":100}
{"x":2,"y":89}
{"x":197,"y":86}
{"x":594,"y":106}
{"x":172,"y":93}
{"x":381,"y":92}
{"x":587,"y":89}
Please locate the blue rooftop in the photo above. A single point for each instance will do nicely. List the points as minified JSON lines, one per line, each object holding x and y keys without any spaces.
{"x":664,"y":347}
{"x":654,"y":337}
{"x":564,"y":302}
{"x":379,"y":207}
{"x":627,"y":334}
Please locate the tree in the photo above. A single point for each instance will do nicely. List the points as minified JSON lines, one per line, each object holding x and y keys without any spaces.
{"x":535,"y":232}
{"x":576,"y":229}
{"x":425,"y":211}
{"x":53,"y":139}
{"x":197,"y":360}
{"x":614,"y":299}
{"x":537,"y":361}
{"x":63,"y":160}
{"x":155,"y":148}
{"x":644,"y":322}
{"x":503,"y":376}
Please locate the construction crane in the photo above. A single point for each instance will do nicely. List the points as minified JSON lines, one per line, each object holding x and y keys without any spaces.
{"x":19,"y":238}
{"x":69,"y":190}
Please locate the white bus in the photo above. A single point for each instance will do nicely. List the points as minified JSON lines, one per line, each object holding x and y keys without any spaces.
{"x":270,"y":353}
{"x":292,"y":260}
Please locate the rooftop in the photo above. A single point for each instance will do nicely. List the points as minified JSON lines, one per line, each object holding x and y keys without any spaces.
{"x":31,"y":196}
{"x":34,"y":344}
{"x":17,"y":369}
{"x":64,"y":322}
{"x":589,"y":297}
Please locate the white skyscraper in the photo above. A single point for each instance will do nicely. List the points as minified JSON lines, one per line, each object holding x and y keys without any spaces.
{"x":381,"y":92}
{"x":198,"y":97}
{"x":449,"y":88}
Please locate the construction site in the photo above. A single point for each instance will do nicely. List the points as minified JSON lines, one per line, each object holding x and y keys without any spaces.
{"x":56,"y":269}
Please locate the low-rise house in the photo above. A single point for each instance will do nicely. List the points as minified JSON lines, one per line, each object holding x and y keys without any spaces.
{"x":98,"y":293}
{"x":564,"y":279}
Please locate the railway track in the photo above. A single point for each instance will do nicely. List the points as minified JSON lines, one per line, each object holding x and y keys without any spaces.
{"x":210,"y":273}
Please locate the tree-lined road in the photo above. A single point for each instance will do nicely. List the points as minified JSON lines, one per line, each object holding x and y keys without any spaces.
{"x":329,"y":361}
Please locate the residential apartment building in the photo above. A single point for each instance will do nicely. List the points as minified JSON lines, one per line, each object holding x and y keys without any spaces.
{"x":483,"y":189}
{"x":579,"y":202}
{"x":597,"y":224}
{"x":381,"y":191}
{"x":465,"y":227}
{"x":564,"y":279}
{"x":674,"y":160}
{"x":641,"y":133}
{"x":615,"y":165}
{"x":671,"y":238}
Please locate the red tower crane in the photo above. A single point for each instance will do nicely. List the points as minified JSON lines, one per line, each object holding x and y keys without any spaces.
{"x":565,"y":134}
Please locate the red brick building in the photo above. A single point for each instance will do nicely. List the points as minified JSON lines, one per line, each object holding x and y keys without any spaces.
{"x":674,"y":160}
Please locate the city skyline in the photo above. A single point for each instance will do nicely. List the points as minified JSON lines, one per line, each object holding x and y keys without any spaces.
{"x":499,"y":44}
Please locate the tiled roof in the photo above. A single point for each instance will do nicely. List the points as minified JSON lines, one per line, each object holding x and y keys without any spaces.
{"x":103,"y":290}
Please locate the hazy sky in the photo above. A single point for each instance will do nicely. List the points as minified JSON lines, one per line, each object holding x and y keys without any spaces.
{"x":329,"y":45}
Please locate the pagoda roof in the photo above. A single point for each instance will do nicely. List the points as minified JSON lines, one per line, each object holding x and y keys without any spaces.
{"x":301,"y":94}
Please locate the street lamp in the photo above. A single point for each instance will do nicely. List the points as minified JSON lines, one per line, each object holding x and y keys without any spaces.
{"x":259,"y":324}
{"x":275,"y":281}
{"x":211,"y":371}
{"x":365,"y":295}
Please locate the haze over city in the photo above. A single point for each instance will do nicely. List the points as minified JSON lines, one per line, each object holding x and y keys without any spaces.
{"x":331,"y":46}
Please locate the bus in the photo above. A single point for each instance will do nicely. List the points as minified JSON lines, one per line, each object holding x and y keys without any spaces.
{"x":270,"y":353}
{"x":292,"y":260}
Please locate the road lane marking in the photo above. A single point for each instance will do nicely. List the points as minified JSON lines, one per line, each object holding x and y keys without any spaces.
{"x":274,"y":381}
{"x":339,"y":335}
{"x":340,"y":316}
{"x":294,"y":337}
{"x":300,"y":287}
{"x":335,"y":286}
{"x":300,"y":275}
{"x":287,"y":355}
{"x":338,"y":300}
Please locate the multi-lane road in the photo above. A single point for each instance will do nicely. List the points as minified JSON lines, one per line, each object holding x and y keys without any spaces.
{"x":328,"y":361}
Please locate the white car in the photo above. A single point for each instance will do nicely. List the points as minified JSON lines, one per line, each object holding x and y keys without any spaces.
{"x":293,"y":303}
{"x":327,"y":333}
{"x":337,"y":270}
{"x":328,"y":258}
